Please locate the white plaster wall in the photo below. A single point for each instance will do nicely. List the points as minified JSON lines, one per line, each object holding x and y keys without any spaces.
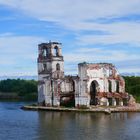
{"x":113,"y":85}
{"x":106,"y":85}
{"x":53,"y":45}
{"x":121,"y":89}
{"x":47,"y":87}
{"x":41,"y":77}
{"x":82,"y":88}
{"x":48,"y":100}
{"x":41,"y":96}
{"x":63,"y":86}
{"x":44,"y":92}
{"x":82,"y":100}
{"x":94,"y":73}
{"x":40,"y":68}
{"x":82,"y":71}
{"x":76,"y":87}
{"x":56,"y":101}
{"x":66,"y":87}
{"x":48,"y":66}
{"x":54,"y":65}
{"x":107,"y":72}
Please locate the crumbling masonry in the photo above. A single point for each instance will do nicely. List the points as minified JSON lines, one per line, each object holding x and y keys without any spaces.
{"x":95,"y":84}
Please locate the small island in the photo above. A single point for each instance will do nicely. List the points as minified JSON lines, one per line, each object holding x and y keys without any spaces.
{"x":98,"y":87}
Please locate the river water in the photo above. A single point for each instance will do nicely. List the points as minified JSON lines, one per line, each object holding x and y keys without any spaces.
{"x":17,"y":124}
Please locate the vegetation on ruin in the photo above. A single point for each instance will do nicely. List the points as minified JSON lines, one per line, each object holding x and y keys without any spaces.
{"x":27,"y":89}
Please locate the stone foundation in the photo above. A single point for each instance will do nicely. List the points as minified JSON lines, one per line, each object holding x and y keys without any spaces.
{"x":82,"y":100}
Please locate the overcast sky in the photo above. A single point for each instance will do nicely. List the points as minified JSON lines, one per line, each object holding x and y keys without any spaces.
{"x":90,"y":30}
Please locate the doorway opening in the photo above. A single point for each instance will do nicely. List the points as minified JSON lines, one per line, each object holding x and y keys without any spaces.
{"x":93,"y":93}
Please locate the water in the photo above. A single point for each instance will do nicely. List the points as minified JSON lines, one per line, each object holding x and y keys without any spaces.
{"x":16,"y":124}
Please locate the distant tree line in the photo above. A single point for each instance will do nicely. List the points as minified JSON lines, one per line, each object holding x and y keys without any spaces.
{"x":133,"y":86}
{"x":24,"y":89}
{"x":27,"y":89}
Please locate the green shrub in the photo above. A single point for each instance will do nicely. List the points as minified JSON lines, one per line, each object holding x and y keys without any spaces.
{"x":133,"y":86}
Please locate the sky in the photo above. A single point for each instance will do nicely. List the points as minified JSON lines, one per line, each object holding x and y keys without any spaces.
{"x":90,"y":31}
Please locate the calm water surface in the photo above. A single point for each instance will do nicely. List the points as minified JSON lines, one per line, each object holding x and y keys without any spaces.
{"x":16,"y":124}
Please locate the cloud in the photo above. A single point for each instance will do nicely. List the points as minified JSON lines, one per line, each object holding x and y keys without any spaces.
{"x":79,"y":10}
{"x":118,"y":33}
{"x":75,"y":10}
{"x":76,"y":16}
{"x":99,"y":55}
{"x":106,"y":20}
{"x":123,"y":59}
{"x":19,"y":51}
{"x":18,"y":44}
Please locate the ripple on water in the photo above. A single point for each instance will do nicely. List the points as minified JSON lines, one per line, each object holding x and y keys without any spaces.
{"x":16,"y":124}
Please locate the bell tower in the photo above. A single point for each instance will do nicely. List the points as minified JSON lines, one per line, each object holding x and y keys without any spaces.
{"x":50,"y":71}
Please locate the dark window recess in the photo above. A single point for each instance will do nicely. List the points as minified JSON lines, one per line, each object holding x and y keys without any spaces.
{"x":45,"y":66}
{"x":57,"y":66}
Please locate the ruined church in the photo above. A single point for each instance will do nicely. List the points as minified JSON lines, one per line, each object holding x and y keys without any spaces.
{"x":95,"y":83}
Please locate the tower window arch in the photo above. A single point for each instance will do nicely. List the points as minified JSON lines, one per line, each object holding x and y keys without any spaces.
{"x":46,"y":52}
{"x":45,"y":66}
{"x":57,"y":66}
{"x":56,"y":51}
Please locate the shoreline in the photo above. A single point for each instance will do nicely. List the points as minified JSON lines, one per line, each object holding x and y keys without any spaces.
{"x":106,"y":110}
{"x":13,"y":96}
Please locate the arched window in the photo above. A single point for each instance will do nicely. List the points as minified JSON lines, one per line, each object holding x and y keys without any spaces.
{"x":93,"y":92}
{"x":117,"y":86}
{"x":109,"y":86}
{"x":45,"y":66}
{"x":46,"y":52}
{"x":56,"y":51}
{"x":57,"y":66}
{"x":73,"y":86}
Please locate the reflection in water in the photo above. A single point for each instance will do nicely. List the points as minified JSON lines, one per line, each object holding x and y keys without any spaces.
{"x":84,"y":126}
{"x":16,"y":124}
